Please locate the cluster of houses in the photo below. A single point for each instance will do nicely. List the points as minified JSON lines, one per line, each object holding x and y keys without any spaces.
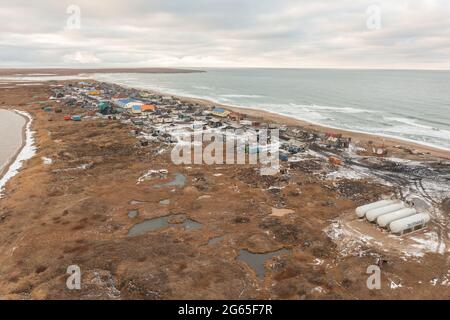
{"x":159,"y":115}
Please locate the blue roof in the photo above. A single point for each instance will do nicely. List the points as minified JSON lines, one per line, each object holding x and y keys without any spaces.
{"x":124,"y":101}
{"x":136,"y":107}
{"x":219,"y":110}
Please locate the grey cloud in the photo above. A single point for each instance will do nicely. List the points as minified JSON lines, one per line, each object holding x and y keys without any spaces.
{"x":187,"y":33}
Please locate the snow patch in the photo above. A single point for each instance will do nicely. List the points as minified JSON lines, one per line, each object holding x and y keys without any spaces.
{"x":47,"y":161}
{"x":393,"y":285}
{"x":152,"y":174}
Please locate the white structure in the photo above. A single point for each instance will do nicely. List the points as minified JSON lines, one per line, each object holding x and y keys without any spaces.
{"x":409,"y":224}
{"x":384,"y":220}
{"x":373,"y":214}
{"x":361,"y":211}
{"x":393,"y":215}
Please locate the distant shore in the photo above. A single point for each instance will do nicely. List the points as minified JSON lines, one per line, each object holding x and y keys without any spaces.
{"x":74,"y":72}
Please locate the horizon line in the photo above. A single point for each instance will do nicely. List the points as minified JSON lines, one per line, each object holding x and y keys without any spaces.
{"x":228,"y":67}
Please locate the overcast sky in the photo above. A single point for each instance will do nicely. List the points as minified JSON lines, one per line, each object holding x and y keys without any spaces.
{"x":226,"y":33}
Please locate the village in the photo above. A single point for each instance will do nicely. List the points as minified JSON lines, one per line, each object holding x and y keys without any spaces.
{"x":166,"y":119}
{"x":158,"y":116}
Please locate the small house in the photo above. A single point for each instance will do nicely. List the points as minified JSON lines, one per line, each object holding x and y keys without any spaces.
{"x":221,"y":113}
{"x":148,"y":108}
{"x":133,"y":103}
{"x":246,"y":123}
{"x":236,"y":116}
{"x":214,"y":123}
{"x":136,"y":109}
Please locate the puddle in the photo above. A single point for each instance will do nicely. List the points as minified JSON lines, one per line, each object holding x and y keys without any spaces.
{"x":256,"y":260}
{"x":178,"y":181}
{"x":163,"y":222}
{"x":215,"y":240}
{"x":133,"y":214}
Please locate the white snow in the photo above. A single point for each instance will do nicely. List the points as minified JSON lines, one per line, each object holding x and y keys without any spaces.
{"x":393,"y":285}
{"x":151,"y":174}
{"x":347,"y":173}
{"x":429,"y":242}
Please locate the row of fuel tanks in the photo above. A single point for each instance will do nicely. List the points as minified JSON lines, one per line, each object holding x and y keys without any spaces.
{"x":394,"y":215}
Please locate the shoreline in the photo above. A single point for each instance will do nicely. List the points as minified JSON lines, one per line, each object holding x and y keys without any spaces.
{"x":364,"y":137}
{"x":15,"y":162}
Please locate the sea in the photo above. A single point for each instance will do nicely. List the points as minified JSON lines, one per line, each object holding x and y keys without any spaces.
{"x":413,"y":105}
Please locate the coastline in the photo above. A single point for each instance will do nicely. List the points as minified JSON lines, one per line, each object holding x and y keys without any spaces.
{"x":387,"y":141}
{"x":25,"y":152}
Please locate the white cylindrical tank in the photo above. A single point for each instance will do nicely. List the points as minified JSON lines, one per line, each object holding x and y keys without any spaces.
{"x":373,"y":214}
{"x":384,"y":220}
{"x":361,"y":211}
{"x":399,"y":226}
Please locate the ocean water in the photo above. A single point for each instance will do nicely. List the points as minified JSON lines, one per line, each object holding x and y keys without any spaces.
{"x":412,"y":105}
{"x":11,"y":126}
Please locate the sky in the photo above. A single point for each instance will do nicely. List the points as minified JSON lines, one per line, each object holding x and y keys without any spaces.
{"x":392,"y":34}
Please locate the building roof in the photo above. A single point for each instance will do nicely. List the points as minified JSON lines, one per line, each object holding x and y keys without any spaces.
{"x":136,"y":109}
{"x":220,"y":112}
{"x":148,"y":107}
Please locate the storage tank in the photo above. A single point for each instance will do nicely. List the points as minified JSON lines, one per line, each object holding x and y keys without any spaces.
{"x":373,"y":214}
{"x":409,"y":223}
{"x":384,"y":220}
{"x":361,"y":211}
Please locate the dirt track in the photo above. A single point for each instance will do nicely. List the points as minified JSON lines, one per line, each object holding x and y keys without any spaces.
{"x":75,"y":211}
